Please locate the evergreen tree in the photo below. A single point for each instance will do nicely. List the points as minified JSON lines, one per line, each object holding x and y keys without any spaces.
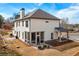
{"x":1,"y":20}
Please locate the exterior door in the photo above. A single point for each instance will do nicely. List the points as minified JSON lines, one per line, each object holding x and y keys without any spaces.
{"x":38,"y":38}
{"x":33,"y":37}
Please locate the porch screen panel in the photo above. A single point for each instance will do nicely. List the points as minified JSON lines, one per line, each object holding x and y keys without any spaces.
{"x":42,"y":35}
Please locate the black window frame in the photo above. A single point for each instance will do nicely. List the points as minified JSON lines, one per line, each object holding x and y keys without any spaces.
{"x":51,"y":35}
{"x":22,"y":23}
{"x":26,"y":23}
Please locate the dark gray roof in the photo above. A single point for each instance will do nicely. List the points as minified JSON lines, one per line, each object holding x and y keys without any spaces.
{"x":41,"y":15}
{"x":61,"y":29}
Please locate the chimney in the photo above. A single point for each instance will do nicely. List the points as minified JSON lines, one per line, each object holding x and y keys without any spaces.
{"x":22,"y":13}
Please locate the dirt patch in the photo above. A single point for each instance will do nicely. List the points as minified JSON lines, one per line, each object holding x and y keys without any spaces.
{"x":22,"y":48}
{"x":5,"y":51}
{"x":77,"y":54}
{"x":67,"y":46}
{"x":50,"y":52}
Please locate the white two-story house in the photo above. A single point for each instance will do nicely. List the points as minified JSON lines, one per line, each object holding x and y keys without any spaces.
{"x":36,"y":27}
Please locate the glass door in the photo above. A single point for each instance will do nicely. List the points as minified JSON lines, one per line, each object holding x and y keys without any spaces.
{"x":38,"y":38}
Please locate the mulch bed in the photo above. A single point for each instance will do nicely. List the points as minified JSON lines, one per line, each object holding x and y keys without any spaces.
{"x":61,"y":46}
{"x":55,"y":42}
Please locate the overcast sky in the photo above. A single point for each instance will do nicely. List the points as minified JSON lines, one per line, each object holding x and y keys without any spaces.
{"x":61,"y":10}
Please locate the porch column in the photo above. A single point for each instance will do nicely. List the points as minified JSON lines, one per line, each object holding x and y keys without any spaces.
{"x":30,"y":30}
{"x":60,"y":37}
{"x":30,"y":37}
{"x":36,"y":38}
{"x":67,"y":35}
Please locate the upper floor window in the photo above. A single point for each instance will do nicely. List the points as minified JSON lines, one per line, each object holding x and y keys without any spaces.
{"x":19,"y":23}
{"x":51,"y":35}
{"x":26,"y":23}
{"x":16,"y":23}
{"x":22,"y":23}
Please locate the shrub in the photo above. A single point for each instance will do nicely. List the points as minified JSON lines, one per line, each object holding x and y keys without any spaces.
{"x":45,"y":46}
{"x":41,"y":47}
{"x":11,"y":35}
{"x":17,"y":37}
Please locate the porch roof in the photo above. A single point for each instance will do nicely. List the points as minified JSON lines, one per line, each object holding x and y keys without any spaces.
{"x":61,"y":29}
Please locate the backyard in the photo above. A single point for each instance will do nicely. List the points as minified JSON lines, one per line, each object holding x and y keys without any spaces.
{"x":15,"y":47}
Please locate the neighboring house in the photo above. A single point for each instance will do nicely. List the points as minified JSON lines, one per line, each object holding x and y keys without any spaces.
{"x":36,"y":27}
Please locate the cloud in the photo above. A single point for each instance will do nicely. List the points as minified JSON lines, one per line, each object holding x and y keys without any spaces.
{"x":5,"y":15}
{"x":30,"y":10}
{"x":39,"y":4}
{"x":71,"y":12}
{"x":7,"y":10}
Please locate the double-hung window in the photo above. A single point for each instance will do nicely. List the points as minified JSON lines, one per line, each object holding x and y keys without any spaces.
{"x":22,"y":23}
{"x":51,"y":35}
{"x":26,"y":23}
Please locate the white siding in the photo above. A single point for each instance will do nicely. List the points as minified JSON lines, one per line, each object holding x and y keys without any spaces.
{"x":21,"y":28}
{"x":41,"y":25}
{"x":38,"y":25}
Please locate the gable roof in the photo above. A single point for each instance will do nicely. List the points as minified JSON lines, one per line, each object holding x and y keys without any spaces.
{"x":41,"y":15}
